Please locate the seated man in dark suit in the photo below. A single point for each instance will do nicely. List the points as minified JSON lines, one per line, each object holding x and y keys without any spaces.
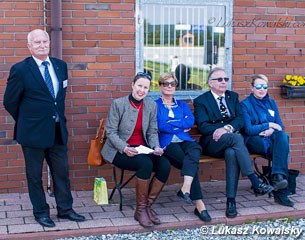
{"x":219,"y":117}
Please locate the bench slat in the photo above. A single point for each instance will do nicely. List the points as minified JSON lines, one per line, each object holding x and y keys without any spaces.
{"x":205,"y":159}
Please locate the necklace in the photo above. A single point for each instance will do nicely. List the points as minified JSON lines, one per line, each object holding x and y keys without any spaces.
{"x":172,"y":104}
{"x":135,"y":106}
{"x":167,"y":103}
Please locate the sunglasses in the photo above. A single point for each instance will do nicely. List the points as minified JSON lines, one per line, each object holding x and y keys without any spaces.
{"x":143,"y":74}
{"x":260,"y":86}
{"x":221,"y":79}
{"x":167,"y":84}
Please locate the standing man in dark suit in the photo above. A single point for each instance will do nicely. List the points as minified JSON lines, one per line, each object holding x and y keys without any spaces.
{"x":35,"y":97}
{"x":219,"y":117}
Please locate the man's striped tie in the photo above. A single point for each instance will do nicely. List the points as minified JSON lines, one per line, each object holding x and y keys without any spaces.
{"x":47,"y":78}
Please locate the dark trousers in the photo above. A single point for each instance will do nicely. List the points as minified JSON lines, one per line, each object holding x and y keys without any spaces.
{"x":231,"y":146}
{"x":144,"y":165}
{"x":185,"y":156}
{"x":57,"y":160}
{"x":278,"y":150}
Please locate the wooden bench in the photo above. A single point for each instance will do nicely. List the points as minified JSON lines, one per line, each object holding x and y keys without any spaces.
{"x":120,"y":184}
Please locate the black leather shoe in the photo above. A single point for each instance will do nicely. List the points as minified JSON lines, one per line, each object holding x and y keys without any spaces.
{"x":279,"y":182}
{"x":262,"y":189}
{"x":203,"y":216}
{"x":184,"y":196}
{"x":72,"y":216}
{"x":45,"y":221}
{"x":231,"y":210}
{"x":283,"y":200}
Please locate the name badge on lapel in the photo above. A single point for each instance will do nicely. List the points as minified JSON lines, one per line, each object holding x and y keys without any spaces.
{"x":271,"y":112}
{"x":65,"y":83}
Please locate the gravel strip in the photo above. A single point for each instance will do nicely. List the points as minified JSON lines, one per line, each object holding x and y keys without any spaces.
{"x":285,"y":228}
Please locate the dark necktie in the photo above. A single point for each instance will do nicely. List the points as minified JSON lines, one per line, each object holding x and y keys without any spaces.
{"x":223,"y":109}
{"x":47,"y":78}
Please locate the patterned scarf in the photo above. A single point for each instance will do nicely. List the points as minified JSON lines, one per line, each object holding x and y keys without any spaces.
{"x":261,"y":107}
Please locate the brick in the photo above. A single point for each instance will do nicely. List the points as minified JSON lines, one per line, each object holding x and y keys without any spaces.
{"x":121,"y":7}
{"x":100,"y":223}
{"x":3,"y":230}
{"x":109,"y":14}
{"x":99,"y":6}
{"x":286,"y":4}
{"x":246,"y":3}
{"x":99,"y":45}
{"x":100,"y":36}
{"x":121,"y":22}
{"x":122,"y":36}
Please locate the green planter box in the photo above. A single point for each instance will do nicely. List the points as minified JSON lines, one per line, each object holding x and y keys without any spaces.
{"x":288,"y":91}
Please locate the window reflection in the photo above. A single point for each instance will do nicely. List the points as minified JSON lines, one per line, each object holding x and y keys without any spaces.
{"x":179,"y":39}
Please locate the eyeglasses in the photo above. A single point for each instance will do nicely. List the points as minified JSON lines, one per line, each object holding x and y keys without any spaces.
{"x":221,"y":79}
{"x":260,"y":86}
{"x":167,"y":84}
{"x":143,"y":74}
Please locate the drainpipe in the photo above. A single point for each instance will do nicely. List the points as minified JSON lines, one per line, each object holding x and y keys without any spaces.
{"x":56,"y":48}
{"x":56,"y":29}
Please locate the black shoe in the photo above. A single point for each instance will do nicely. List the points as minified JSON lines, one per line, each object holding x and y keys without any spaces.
{"x":279,"y":182}
{"x":262,"y":189}
{"x":231,"y":210}
{"x":184,"y":196}
{"x":283,"y":200}
{"x":72,"y":216}
{"x":203,"y":216}
{"x":45,"y":221}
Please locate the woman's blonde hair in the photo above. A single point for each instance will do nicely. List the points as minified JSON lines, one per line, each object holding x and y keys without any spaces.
{"x":259,"y":76}
{"x":166,"y":76}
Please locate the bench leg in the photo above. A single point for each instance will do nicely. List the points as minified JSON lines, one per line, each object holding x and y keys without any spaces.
{"x":119,"y":185}
{"x":258,"y":173}
{"x":116,"y":182}
{"x":266,"y":178}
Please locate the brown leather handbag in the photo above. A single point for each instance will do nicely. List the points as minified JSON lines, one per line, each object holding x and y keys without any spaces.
{"x":94,"y":156}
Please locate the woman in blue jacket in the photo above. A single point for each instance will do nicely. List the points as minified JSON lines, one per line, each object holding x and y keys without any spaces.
{"x":264,"y":134}
{"x":175,"y":120}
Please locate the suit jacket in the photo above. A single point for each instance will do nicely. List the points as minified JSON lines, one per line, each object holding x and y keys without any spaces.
{"x":121,"y":121}
{"x":32,"y":106}
{"x":209,"y":118}
{"x":257,"y":118}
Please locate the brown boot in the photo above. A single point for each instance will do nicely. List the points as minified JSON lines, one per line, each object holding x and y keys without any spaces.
{"x":141,"y":198}
{"x":156,"y":187}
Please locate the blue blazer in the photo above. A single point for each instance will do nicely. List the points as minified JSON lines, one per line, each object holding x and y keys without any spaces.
{"x":208,"y":116}
{"x":168,"y":127}
{"x":32,"y":106}
{"x":253,"y":124}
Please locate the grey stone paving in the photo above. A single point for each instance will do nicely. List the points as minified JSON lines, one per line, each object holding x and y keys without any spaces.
{"x":16,"y":213}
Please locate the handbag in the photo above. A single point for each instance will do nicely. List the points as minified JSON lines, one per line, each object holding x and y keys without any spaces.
{"x":94,"y":156}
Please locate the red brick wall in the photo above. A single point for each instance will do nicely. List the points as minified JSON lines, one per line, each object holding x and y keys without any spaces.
{"x":99,"y":46}
{"x":273,"y":45}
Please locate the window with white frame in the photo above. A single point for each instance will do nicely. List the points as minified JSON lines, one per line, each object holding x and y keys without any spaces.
{"x":187,"y":38}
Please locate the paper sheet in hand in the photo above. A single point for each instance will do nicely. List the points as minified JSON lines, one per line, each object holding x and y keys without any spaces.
{"x":144,"y":150}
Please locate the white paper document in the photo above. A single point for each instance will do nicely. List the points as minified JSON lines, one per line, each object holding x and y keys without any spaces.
{"x":144,"y":150}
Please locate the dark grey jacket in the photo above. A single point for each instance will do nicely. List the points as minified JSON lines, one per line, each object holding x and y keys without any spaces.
{"x":121,"y":122}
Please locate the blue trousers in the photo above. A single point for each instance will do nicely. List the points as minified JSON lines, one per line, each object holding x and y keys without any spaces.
{"x":278,"y":150}
{"x":185,"y":156}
